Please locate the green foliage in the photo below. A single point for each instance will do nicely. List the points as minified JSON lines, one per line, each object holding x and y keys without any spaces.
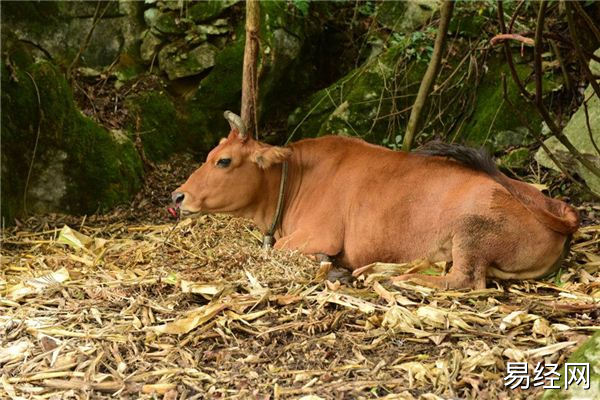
{"x":417,"y":45}
{"x":492,"y":113}
{"x":302,"y":6}
{"x":396,"y":144}
{"x":366,"y":8}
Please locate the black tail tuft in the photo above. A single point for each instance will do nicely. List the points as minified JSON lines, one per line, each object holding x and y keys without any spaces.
{"x":478,"y":160}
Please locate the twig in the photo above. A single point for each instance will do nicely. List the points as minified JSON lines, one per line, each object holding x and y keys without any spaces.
{"x":140,"y":145}
{"x":37,"y":138}
{"x":501,"y":38}
{"x":514,"y":16}
{"x":40,"y":48}
{"x":88,"y":37}
{"x":537,"y":64}
{"x":589,"y":127}
{"x":508,"y":55}
{"x":588,"y":20}
{"x":576,"y":43}
{"x":430,"y":74}
{"x":563,"y":66}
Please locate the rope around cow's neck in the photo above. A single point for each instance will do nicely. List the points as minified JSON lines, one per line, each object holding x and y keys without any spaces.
{"x":269,"y":239}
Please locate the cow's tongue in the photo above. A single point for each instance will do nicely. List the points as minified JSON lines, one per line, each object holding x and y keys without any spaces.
{"x":173,"y":211}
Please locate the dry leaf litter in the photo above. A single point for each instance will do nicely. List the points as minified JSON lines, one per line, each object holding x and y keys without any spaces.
{"x":126,"y":305}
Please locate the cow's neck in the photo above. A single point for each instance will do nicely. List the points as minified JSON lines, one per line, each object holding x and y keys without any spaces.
{"x":264,"y":210}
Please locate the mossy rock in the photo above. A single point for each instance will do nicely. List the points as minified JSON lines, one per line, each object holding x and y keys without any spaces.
{"x":79,"y":167}
{"x":406,"y":16}
{"x":160,"y":127}
{"x":169,"y":23}
{"x":282,"y":39}
{"x":587,"y":353}
{"x":576,"y":131}
{"x":390,"y":13}
{"x":221,"y":90}
{"x":59,"y":28}
{"x":150,"y":46}
{"x":517,"y":158}
{"x":359,"y":103}
{"x":492,"y":115}
{"x":209,"y":9}
{"x":179,"y":64}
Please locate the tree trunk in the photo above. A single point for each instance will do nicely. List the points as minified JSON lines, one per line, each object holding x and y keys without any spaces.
{"x":249,"y":110}
{"x":430,"y":75}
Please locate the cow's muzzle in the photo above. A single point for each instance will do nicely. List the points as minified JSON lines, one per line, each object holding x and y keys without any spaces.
{"x":177,"y":198}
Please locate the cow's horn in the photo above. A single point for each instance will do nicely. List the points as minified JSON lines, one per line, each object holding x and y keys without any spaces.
{"x":236,"y":123}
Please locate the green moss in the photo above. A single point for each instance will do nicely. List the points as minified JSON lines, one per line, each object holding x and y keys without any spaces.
{"x":209,"y":9}
{"x":492,"y":114}
{"x":221,"y":90}
{"x":358,"y":104}
{"x":468,"y":25}
{"x":390,"y":13}
{"x":159,"y":129}
{"x":223,"y":86}
{"x":38,"y":14}
{"x":108,"y":171}
{"x":98,"y":171}
{"x":168,"y":23}
{"x":517,"y":158}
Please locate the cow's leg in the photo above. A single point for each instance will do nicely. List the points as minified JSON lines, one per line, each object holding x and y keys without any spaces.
{"x":320,"y":248}
{"x":468,"y":270}
{"x":320,"y":257}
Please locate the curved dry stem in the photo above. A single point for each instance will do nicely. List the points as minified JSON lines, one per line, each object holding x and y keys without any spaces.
{"x":37,"y":139}
{"x":430,"y":75}
{"x":508,"y":55}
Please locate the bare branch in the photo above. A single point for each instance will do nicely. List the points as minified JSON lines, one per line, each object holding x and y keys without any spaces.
{"x":508,"y":55}
{"x":430,"y":75}
{"x":588,"y":20}
{"x":576,"y":43}
{"x":589,"y":127}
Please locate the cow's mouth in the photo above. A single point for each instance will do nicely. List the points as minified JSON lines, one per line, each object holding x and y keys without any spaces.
{"x":187,"y":213}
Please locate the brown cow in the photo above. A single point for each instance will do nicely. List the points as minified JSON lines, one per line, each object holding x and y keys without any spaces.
{"x":360,"y":203}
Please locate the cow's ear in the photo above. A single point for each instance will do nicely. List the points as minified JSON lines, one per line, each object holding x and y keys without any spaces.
{"x":267,"y":156}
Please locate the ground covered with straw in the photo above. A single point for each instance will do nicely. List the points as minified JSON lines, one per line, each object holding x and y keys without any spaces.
{"x":128,"y":306}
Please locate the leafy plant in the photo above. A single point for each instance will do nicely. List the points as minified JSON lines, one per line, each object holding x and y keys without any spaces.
{"x":302,"y":6}
{"x":367,"y":8}
{"x":396,"y":144}
{"x":417,"y":45}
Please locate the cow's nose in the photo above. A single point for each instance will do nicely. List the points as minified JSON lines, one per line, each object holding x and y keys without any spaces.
{"x":177,"y":197}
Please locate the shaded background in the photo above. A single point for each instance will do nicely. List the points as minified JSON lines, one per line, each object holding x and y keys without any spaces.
{"x":95,"y":93}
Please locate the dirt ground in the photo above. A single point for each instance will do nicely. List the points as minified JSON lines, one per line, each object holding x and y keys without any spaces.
{"x":128,"y":305}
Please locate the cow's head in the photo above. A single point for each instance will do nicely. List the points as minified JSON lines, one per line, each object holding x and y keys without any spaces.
{"x":233,"y":176}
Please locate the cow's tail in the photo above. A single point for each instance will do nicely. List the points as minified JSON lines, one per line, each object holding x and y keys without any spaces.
{"x":555,"y":214}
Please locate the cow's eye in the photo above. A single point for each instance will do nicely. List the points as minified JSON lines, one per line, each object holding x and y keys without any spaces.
{"x":224,"y":162}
